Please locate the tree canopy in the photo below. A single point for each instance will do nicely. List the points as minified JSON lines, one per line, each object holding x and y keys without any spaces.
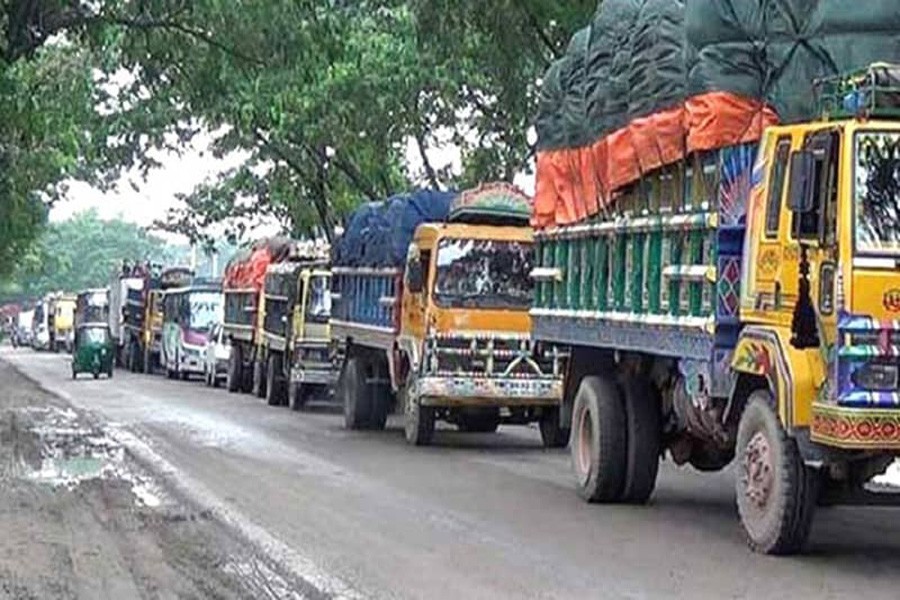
{"x":327,"y":99}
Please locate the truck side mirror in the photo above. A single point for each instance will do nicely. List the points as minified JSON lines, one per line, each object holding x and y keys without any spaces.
{"x":800,"y":194}
{"x":414,"y":277}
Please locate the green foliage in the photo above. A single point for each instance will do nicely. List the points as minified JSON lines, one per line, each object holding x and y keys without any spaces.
{"x":83,"y":252}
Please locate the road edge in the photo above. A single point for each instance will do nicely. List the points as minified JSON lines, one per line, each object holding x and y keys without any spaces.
{"x":196,"y":492}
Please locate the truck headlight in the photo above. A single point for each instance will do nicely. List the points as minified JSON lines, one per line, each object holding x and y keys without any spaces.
{"x":876,"y":377}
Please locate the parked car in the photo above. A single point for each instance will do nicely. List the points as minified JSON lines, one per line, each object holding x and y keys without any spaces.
{"x":216,"y":355}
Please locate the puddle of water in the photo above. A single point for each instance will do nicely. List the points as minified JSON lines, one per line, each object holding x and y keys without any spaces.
{"x":72,"y":453}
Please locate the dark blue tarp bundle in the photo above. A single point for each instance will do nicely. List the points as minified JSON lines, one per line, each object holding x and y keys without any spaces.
{"x":378,"y":233}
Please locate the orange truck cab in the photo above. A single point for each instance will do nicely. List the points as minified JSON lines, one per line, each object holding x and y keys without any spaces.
{"x":445,"y":334}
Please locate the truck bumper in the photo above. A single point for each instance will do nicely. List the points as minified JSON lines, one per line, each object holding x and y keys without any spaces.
{"x":489,"y":391}
{"x":875,"y":429}
{"x":325,"y":377}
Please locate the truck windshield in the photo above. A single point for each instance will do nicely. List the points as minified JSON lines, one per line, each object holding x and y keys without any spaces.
{"x":877,"y":193}
{"x":206,"y":310}
{"x":483,"y":274}
{"x":318,"y":306}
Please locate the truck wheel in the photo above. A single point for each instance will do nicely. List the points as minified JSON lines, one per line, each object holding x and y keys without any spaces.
{"x":235,"y":371}
{"x":148,"y":363}
{"x":776,"y":491}
{"x":298,"y":394}
{"x":381,"y":406}
{"x":552,"y":435}
{"x":598,"y":444}
{"x":259,"y":379}
{"x":275,"y":392}
{"x":642,"y":416}
{"x":419,"y":427}
{"x":357,"y":403}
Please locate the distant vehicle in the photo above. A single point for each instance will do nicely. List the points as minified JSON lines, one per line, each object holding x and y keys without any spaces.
{"x":22,"y":330}
{"x":40,"y":327}
{"x":216,"y":354}
{"x":189,"y":314}
{"x":93,"y":351}
{"x":60,"y":321}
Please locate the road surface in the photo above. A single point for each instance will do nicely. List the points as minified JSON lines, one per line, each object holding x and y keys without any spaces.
{"x":475,"y":516}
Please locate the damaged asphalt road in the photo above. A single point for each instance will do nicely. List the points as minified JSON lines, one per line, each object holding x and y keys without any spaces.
{"x":263,"y":498}
{"x":80,"y":519}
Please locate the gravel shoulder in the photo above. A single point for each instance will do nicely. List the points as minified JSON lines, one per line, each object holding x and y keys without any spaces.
{"x":81,"y":519}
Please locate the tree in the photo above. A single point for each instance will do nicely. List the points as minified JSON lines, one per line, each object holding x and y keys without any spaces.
{"x":83,"y":252}
{"x":326,"y":96}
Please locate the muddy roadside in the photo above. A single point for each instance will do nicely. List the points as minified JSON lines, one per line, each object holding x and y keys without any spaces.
{"x":81,"y":519}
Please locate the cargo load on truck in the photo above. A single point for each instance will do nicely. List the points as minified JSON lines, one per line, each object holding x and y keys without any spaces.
{"x":431,"y":294}
{"x":650,"y":83}
{"x":714,"y":182}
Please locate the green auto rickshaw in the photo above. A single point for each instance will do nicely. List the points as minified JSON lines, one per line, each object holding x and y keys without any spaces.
{"x":93,"y":350}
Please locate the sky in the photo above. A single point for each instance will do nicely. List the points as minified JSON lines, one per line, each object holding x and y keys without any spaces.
{"x":180,"y":173}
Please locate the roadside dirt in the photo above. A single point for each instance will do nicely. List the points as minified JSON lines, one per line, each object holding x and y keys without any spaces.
{"x":80,"y":519}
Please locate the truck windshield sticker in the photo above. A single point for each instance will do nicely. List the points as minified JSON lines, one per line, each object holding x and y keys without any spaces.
{"x":483,"y":274}
{"x":877,"y":193}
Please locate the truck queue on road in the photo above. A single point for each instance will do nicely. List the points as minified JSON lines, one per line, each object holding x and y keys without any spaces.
{"x":735,"y":304}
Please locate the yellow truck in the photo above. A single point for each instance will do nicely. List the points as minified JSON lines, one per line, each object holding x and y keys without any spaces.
{"x":430,"y":313}
{"x":61,"y":317}
{"x":748,"y":308}
{"x":293,"y":362}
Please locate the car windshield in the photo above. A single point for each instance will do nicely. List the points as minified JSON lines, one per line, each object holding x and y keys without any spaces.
{"x":483,"y":274}
{"x":877,"y":193}
{"x":206,"y":310}
{"x":318,"y":307}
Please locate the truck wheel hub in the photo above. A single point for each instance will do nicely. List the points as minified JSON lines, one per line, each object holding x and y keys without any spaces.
{"x":585,"y":436}
{"x":758,"y":472}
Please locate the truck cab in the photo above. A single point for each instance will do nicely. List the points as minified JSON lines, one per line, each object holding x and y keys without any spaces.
{"x":444,"y":334}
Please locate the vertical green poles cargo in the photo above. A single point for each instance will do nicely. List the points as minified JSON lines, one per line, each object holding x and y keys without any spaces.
{"x":636,"y":273}
{"x":573,"y":274}
{"x":695,"y":294}
{"x":539,"y":262}
{"x":654,"y":271}
{"x":601,"y":270}
{"x":589,"y":290}
{"x":676,"y":245}
{"x":617,"y":276}
{"x":560,"y":260}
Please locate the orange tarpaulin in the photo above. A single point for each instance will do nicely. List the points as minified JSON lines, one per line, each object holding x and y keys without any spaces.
{"x":574,"y":184}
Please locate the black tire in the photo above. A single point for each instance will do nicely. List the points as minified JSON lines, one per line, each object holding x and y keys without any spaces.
{"x":96,"y":374}
{"x":276,"y":394}
{"x":381,"y":405}
{"x":777,"y":507}
{"x":183,"y":375}
{"x":357,"y":402}
{"x":109,"y":372}
{"x":643,"y":439}
{"x":552,"y":435}
{"x":598,"y":444}
{"x":214,"y":379}
{"x":235,"y":370}
{"x":259,"y":379}
{"x":298,"y":395}
{"x":74,"y":374}
{"x":419,"y":420}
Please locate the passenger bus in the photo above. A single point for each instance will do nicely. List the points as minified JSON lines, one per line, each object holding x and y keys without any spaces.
{"x":189,"y":315}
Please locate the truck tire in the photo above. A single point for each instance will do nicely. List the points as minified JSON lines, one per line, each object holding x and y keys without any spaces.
{"x":419,"y":424}
{"x":276,"y":394}
{"x":357,"y":402}
{"x":148,"y":362}
{"x":598,"y":443}
{"x":776,"y":491}
{"x":552,"y":435}
{"x":235,"y":370}
{"x":259,"y":379}
{"x":643,"y":439}
{"x":298,"y":395}
{"x":381,"y":406}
